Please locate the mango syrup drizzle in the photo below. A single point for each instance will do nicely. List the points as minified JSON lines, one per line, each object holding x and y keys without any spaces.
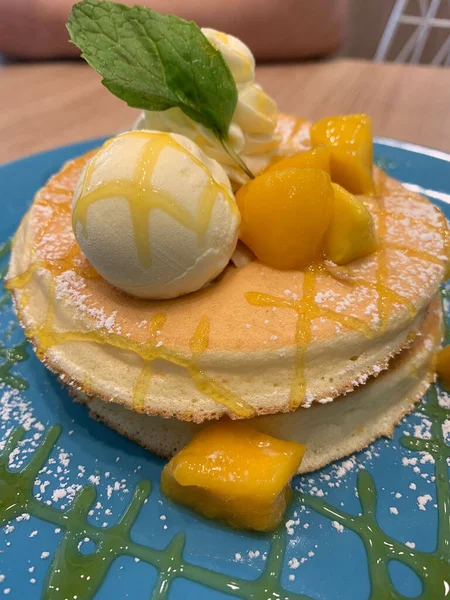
{"x":142,"y":197}
{"x":386,"y":298}
{"x":46,"y":335}
{"x":441,"y":229}
{"x":198,"y":343}
{"x":389,"y":297}
{"x":308,"y":309}
{"x":140,"y":389}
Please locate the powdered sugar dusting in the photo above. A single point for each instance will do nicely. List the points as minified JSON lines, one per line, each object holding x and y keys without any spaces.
{"x":70,"y":286}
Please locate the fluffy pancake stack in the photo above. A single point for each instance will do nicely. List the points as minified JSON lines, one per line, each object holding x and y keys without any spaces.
{"x":331,"y":357}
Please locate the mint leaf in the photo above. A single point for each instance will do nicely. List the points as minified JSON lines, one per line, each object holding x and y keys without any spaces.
{"x":155,"y":62}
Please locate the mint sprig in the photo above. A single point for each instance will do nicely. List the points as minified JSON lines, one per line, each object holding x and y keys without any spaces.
{"x":156,"y":62}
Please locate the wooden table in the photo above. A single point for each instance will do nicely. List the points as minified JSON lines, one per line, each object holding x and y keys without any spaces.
{"x":47,"y":105}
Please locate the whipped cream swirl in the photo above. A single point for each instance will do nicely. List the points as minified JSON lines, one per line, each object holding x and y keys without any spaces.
{"x":252,"y":131}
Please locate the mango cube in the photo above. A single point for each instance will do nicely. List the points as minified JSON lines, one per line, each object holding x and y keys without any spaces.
{"x":230,"y":471}
{"x":351,"y":234}
{"x":317,"y":158}
{"x":285,"y":214}
{"x":349,"y":139}
{"x":443,"y":367}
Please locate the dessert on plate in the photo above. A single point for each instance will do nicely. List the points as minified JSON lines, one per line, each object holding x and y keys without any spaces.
{"x":224,"y":274}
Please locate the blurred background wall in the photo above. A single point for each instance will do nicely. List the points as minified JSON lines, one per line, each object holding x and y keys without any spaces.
{"x":368,"y":19}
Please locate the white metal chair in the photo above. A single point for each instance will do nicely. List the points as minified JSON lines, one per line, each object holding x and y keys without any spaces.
{"x":424,"y":22}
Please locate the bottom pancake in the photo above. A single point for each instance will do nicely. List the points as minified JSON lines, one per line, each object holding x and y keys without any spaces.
{"x":330,"y":431}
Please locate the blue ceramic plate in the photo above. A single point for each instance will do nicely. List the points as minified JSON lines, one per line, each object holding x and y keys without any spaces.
{"x":81,"y":513}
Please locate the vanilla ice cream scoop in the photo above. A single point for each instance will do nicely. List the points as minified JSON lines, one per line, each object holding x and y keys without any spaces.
{"x":154,"y":215}
{"x":252,"y":133}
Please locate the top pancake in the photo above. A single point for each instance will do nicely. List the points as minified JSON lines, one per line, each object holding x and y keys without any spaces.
{"x":256,"y":341}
